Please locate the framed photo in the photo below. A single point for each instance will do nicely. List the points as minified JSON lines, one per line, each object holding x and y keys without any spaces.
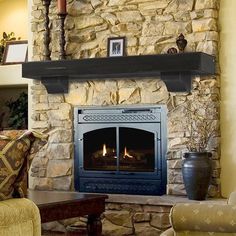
{"x":116,"y":47}
{"x":15,"y":52}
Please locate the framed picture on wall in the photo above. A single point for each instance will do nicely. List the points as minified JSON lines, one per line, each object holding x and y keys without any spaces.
{"x":15,"y":52}
{"x":116,"y":47}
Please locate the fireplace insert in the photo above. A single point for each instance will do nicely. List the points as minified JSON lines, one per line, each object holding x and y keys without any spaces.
{"x":120,"y":150}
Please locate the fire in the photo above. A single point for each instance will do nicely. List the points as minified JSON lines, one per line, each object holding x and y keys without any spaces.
{"x":126,"y":154}
{"x":104,"y":150}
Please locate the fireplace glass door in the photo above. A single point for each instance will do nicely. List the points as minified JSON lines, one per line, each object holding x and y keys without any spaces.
{"x":119,"y":149}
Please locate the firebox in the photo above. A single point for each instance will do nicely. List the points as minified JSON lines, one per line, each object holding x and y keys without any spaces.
{"x":120,"y":150}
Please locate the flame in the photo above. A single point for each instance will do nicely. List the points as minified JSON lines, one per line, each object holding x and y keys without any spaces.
{"x":104,"y":150}
{"x":126,"y":154}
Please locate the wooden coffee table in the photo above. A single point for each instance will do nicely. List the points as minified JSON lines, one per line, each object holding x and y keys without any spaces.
{"x":57,"y":205}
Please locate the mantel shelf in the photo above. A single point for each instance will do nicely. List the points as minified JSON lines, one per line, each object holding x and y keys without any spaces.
{"x":176,"y":70}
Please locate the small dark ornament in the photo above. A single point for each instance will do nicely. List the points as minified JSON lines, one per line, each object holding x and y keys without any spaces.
{"x":181,"y":42}
{"x":172,"y":50}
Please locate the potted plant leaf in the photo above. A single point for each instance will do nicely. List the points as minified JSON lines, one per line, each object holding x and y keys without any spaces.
{"x":201,"y":126}
{"x":18,"y":109}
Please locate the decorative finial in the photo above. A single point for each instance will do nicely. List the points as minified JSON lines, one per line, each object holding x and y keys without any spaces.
{"x":172,"y":50}
{"x":181,"y":42}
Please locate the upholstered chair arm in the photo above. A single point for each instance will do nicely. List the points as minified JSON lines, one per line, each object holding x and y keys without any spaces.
{"x":19,"y":217}
{"x":203,"y":217}
{"x":232,"y":198}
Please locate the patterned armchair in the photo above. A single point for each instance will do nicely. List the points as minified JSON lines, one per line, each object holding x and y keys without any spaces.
{"x":18,"y":216}
{"x":203,"y":219}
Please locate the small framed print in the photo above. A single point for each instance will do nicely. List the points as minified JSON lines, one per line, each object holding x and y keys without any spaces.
{"x":116,"y":47}
{"x":15,"y":52}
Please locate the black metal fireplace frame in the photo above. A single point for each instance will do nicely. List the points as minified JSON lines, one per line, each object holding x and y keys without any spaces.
{"x":145,"y":183}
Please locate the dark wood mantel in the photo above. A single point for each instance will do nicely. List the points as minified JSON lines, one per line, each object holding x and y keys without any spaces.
{"x":176,"y":70}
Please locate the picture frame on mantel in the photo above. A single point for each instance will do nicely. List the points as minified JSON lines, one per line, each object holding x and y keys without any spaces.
{"x":15,"y":52}
{"x":116,"y":47}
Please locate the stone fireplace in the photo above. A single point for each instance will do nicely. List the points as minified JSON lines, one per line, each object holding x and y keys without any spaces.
{"x":150,"y":27}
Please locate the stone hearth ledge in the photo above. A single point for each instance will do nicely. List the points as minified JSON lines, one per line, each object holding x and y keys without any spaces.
{"x":164,"y":200}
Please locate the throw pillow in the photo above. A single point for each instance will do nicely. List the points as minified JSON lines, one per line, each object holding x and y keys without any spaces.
{"x":14,"y":161}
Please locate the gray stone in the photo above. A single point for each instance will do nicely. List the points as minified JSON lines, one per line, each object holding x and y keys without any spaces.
{"x":58,"y":168}
{"x":60,"y":151}
{"x":62,"y":183}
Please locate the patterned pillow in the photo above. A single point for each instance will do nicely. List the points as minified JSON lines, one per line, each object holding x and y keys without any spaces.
{"x":14,"y":161}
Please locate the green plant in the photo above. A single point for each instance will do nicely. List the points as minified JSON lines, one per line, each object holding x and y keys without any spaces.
{"x":6,"y":37}
{"x":18,"y":112}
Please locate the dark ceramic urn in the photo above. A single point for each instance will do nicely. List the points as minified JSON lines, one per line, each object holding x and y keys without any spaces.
{"x":196,"y":169}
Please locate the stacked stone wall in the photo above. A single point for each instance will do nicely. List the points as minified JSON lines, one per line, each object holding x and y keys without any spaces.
{"x":150,"y":27}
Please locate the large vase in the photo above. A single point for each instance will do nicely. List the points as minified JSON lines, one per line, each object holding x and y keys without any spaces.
{"x":196,"y":171}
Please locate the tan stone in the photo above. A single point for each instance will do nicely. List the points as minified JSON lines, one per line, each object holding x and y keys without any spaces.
{"x":132,"y":207}
{"x":175,"y":176}
{"x":55,"y":98}
{"x":116,"y":2}
{"x":125,"y":94}
{"x":39,"y":124}
{"x":174,"y":164}
{"x":152,"y":29}
{"x":182,"y":16}
{"x":142,"y":217}
{"x":85,"y":21}
{"x":111,"y":18}
{"x":160,"y":220}
{"x":96,"y":3}
{"x":209,"y":47}
{"x":53,"y":226}
{"x":156,"y":209}
{"x":41,"y":107}
{"x":203,"y":4}
{"x":41,"y":183}
{"x":204,"y":25}
{"x":58,"y":168}
{"x":121,"y":218}
{"x":38,"y":14}
{"x":129,"y":16}
{"x":60,"y":135}
{"x":175,"y":28}
{"x":78,"y":7}
{"x":113,"y":206}
{"x":109,"y":229}
{"x":177,"y":5}
{"x":176,"y":189}
{"x":144,"y":228}
{"x":64,"y":113}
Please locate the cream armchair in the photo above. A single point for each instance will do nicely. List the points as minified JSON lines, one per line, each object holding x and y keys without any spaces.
{"x":19,"y":217}
{"x":203,"y":219}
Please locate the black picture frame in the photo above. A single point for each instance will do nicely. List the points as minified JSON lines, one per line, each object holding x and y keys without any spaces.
{"x":15,"y":52}
{"x":116,"y":46}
